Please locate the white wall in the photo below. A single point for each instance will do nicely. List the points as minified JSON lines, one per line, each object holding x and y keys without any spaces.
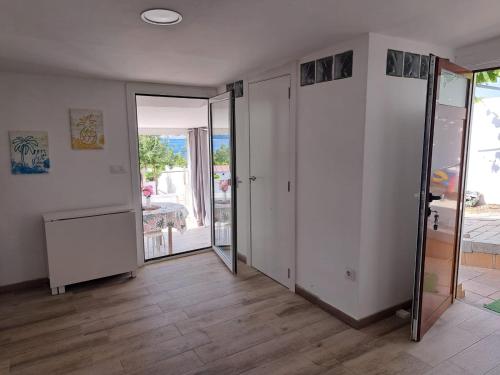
{"x":330,"y":133}
{"x":77,"y":179}
{"x":395,"y":116}
{"x":359,"y":143}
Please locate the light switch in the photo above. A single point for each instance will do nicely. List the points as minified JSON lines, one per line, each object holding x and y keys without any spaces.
{"x":117,"y":169}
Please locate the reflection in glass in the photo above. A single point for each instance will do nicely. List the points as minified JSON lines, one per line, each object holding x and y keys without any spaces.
{"x":453,"y":89}
{"x":222,"y":194}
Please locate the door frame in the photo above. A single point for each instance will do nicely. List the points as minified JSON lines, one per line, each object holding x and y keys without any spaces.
{"x":232,"y":264}
{"x":149,"y":89}
{"x":290,"y":69}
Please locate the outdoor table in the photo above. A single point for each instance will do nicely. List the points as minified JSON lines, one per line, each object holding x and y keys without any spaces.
{"x":164,"y":215}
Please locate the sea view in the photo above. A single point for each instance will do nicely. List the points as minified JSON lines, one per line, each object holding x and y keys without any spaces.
{"x":178,"y":143}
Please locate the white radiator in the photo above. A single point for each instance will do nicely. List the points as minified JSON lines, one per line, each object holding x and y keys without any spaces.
{"x":88,"y":244}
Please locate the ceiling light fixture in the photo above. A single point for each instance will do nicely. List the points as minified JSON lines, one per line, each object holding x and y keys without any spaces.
{"x":162,"y":17}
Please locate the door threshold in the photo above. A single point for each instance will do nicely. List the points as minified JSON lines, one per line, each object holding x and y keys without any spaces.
{"x":179,"y":255}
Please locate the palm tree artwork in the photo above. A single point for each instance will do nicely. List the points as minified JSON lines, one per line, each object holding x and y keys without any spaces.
{"x":25,"y":145}
{"x":29,"y":152}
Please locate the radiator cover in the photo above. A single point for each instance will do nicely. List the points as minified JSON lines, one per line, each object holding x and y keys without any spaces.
{"x":88,"y":244}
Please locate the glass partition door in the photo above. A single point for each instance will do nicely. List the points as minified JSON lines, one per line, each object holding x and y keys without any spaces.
{"x":441,"y":194}
{"x":223,"y":197}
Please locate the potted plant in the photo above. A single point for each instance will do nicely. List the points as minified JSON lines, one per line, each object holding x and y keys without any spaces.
{"x":147,"y":191}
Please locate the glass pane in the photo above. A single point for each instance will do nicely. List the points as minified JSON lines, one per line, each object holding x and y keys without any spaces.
{"x":452,"y":89}
{"x":444,"y":185}
{"x":480,"y":245}
{"x":174,"y":167}
{"x":222,"y":194}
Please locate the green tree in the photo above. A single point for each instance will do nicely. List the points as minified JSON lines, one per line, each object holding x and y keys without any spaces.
{"x":487,"y":76}
{"x":222,"y":155}
{"x":177,"y":160}
{"x":155,"y":156}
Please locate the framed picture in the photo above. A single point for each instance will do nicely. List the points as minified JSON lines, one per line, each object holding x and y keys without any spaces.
{"x":87,"y":129}
{"x":238,"y":89}
{"x":424,"y":67}
{"x":343,"y":65}
{"x":29,"y":152}
{"x":411,"y":65}
{"x":324,"y":69}
{"x":394,"y":63}
{"x":307,"y":73}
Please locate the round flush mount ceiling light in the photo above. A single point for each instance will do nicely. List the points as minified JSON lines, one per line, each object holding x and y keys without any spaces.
{"x":162,"y":17}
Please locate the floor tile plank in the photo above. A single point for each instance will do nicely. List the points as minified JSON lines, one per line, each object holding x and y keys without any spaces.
{"x":191,"y":316}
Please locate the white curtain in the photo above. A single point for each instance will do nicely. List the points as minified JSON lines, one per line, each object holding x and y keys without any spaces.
{"x":199,"y":168}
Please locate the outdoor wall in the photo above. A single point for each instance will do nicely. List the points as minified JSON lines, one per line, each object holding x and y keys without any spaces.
{"x":395,"y":117}
{"x":330,"y":136}
{"x":77,"y":179}
{"x":483,"y":170}
{"x":483,"y":174}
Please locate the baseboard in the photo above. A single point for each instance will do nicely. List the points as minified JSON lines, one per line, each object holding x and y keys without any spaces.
{"x":355,"y":323}
{"x":242,"y":258}
{"x":30,"y":284}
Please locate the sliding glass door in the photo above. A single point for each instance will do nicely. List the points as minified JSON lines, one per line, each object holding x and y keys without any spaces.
{"x":223,"y":192}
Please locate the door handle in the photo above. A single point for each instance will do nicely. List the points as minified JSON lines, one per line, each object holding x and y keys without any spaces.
{"x":433,"y":197}
{"x":252,"y":178}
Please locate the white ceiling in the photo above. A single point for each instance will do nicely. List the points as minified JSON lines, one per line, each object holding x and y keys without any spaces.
{"x":218,"y":40}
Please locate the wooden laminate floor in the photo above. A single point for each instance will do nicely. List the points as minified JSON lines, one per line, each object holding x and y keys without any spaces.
{"x":190,"y":316}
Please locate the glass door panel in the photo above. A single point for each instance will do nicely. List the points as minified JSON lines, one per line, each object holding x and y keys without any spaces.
{"x":222,"y":177}
{"x":441,"y":192}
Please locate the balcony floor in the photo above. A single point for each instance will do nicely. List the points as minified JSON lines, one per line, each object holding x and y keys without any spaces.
{"x":192,"y":239}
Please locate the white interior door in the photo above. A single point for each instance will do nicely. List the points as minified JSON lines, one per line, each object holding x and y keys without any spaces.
{"x":270,"y":197}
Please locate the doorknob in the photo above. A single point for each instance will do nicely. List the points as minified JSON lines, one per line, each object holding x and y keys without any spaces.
{"x":252,"y":178}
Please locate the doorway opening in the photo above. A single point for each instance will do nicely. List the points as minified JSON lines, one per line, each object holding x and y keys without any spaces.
{"x":173,"y":144}
{"x":479,"y":267}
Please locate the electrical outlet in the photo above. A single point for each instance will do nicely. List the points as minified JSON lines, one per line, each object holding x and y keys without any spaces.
{"x":350,"y":274}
